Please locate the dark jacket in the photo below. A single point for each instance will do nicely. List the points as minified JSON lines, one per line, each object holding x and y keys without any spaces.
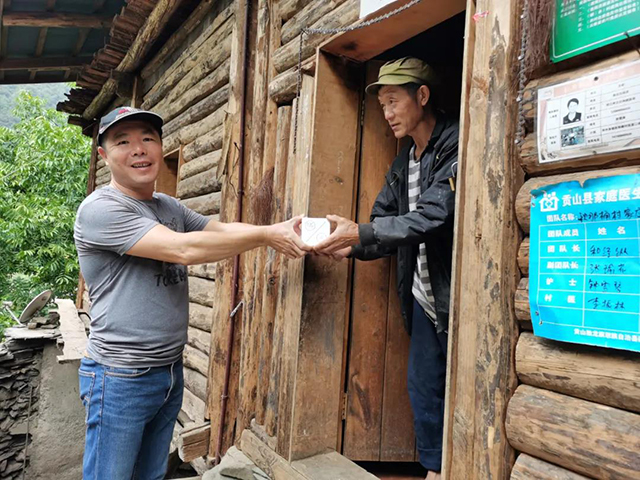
{"x":393,"y":229}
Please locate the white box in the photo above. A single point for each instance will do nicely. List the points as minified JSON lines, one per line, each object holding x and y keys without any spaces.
{"x":314,"y":230}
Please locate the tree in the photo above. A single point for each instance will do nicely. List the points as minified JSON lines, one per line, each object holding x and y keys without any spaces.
{"x":43,"y":176}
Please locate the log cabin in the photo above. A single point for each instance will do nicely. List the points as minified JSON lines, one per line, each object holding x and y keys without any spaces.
{"x":303,"y":364}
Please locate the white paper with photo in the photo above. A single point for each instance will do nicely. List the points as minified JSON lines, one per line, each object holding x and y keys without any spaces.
{"x":315,"y":230}
{"x":594,"y":114}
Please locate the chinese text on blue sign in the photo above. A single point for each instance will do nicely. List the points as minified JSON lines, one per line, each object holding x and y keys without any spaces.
{"x":584,"y":264}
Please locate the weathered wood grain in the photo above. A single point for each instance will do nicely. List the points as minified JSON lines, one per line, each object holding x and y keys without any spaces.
{"x":201,"y":291}
{"x":206,"y":204}
{"x":605,"y":376}
{"x":193,"y":442}
{"x":582,"y":436}
{"x":287,"y":56}
{"x":531,"y":468}
{"x":208,"y":161}
{"x":483,"y":331}
{"x":199,"y":339}
{"x":200,"y":316}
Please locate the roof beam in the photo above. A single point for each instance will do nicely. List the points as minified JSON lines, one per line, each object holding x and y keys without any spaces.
{"x":56,"y":19}
{"x":42,"y":64}
{"x":25,"y":79}
{"x":42,"y":38}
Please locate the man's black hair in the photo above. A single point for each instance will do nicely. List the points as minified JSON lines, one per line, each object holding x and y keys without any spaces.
{"x":573,"y":100}
{"x":412,"y":89}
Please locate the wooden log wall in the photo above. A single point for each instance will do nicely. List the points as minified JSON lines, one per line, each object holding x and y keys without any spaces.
{"x":576,"y":413}
{"x":264,"y":365}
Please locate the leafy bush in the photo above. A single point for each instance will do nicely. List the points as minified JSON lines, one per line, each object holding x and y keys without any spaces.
{"x":43,"y":177}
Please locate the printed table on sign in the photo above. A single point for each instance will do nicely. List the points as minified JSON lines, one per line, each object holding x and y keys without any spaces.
{"x":584,"y":284}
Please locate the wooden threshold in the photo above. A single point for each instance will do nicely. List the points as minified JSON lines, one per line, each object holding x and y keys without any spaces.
{"x":326,"y":466}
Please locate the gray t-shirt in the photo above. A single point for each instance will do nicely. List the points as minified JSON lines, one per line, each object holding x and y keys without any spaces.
{"x":139,"y":307}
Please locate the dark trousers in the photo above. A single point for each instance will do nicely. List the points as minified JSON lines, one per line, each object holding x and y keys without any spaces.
{"x":426,"y":381}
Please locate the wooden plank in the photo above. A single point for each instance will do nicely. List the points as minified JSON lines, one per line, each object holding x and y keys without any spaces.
{"x":398,"y":440}
{"x":276,"y":467}
{"x":481,"y":374}
{"x":458,"y":240}
{"x":193,"y":442}
{"x":328,"y":187}
{"x":292,"y":279}
{"x":267,"y":41}
{"x":279,"y":328}
{"x":370,"y":297}
{"x":56,"y":19}
{"x":605,"y":376}
{"x":72,"y":330}
{"x":331,"y":466}
{"x":261,"y":433}
{"x":553,"y":427}
{"x":266,"y":414}
{"x":523,"y":199}
{"x":326,"y":466}
{"x":251,"y":323}
{"x":531,"y":468}
{"x":224,"y":288}
{"x":377,"y":38}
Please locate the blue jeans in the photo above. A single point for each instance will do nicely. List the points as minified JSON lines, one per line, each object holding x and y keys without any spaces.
{"x":426,"y":381}
{"x":130,"y":416}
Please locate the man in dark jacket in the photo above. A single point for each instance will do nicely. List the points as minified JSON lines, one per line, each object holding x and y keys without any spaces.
{"x":413,"y":218}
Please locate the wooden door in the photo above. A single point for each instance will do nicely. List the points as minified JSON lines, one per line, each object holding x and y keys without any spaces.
{"x":378,"y":424}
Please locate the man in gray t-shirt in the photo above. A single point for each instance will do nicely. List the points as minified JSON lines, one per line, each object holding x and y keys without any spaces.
{"x":133,"y":247}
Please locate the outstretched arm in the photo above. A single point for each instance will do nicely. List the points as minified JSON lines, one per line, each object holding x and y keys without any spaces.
{"x":219,"y":241}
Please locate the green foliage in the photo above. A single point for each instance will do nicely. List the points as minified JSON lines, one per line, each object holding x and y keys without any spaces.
{"x":51,"y":93}
{"x":43,"y":176}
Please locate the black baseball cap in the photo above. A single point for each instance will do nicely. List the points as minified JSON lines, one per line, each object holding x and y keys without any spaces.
{"x":131,"y":113}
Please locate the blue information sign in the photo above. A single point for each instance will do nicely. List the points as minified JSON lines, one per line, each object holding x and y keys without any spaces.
{"x":584,"y":265}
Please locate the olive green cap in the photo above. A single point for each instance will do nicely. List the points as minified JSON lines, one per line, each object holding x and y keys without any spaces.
{"x":402,"y":71}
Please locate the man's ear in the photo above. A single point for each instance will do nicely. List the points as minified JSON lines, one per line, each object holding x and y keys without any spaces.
{"x":103,"y":153}
{"x":423,"y":95}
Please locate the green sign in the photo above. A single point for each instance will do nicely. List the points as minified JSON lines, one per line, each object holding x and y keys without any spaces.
{"x":584,"y":25}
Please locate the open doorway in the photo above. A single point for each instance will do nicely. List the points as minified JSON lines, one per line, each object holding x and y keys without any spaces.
{"x":377,"y":428}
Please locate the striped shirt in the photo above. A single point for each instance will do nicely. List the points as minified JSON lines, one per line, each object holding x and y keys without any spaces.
{"x":421,"y":288}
